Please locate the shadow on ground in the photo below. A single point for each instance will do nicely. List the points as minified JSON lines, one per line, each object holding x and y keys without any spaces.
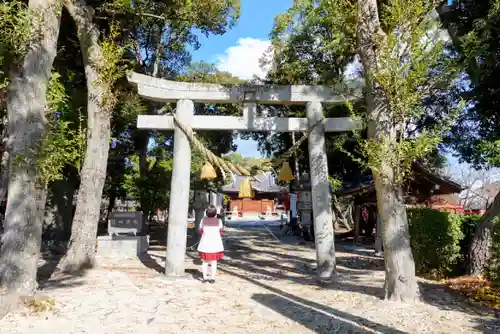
{"x":324,"y":319}
{"x":47,"y":277}
{"x":151,"y":261}
{"x":320,"y":320}
{"x":352,"y":270}
{"x":312,"y":315}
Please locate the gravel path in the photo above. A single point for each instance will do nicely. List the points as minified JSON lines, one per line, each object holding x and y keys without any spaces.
{"x":263,"y":287}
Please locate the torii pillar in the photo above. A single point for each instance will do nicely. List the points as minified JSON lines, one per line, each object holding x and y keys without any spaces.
{"x":179,"y":204}
{"x":186,"y":94}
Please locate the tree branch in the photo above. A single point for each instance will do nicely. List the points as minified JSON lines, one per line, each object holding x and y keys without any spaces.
{"x":140,"y":14}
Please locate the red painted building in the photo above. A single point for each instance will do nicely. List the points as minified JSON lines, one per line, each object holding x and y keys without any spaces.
{"x":268,"y":195}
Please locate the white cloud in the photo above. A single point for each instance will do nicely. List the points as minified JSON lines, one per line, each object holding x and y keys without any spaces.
{"x":243,"y":59}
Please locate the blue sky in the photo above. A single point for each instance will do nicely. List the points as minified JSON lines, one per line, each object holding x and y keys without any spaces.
{"x":256,"y":21}
{"x":239,"y":50}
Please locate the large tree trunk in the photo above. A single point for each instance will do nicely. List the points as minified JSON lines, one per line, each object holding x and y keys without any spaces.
{"x":59,"y":209}
{"x":479,"y":253}
{"x":26,"y":105}
{"x":378,"y":237}
{"x":4,"y":174}
{"x":400,"y":278}
{"x":81,"y":251}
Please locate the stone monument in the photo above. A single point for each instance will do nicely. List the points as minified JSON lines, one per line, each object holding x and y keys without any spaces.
{"x":200,"y":202}
{"x":304,"y":199}
{"x":124,"y":237}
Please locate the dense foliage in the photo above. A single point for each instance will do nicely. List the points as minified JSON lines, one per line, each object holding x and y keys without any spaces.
{"x":472,"y":26}
{"x":435,"y":241}
{"x":476,"y":42}
{"x":493,"y":270}
{"x":314,"y":42}
{"x":15,"y":24}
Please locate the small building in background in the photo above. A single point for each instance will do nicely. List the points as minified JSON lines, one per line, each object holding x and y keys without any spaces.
{"x":424,"y":188}
{"x":470,"y":201}
{"x":266,"y":191}
{"x":446,"y":202}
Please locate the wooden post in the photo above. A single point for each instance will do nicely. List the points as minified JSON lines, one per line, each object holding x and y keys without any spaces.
{"x":200,"y":205}
{"x":378,"y":237}
{"x":357,"y":216}
{"x":321,"y":196}
{"x":179,"y":200}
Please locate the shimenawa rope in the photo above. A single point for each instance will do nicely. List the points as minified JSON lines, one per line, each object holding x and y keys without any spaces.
{"x":227,"y":166}
{"x":230,"y":167}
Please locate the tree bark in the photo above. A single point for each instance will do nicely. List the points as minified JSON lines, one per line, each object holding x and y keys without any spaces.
{"x":59,"y":209}
{"x":400,"y":278}
{"x":357,"y":216}
{"x":4,"y":174}
{"x":4,"y":162}
{"x":26,"y":105}
{"x":81,"y":250}
{"x":378,"y":237}
{"x":479,"y":253}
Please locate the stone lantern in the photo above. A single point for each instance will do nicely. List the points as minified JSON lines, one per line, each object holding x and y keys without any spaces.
{"x":200,"y":203}
{"x":201,"y":200}
{"x":304,"y":199}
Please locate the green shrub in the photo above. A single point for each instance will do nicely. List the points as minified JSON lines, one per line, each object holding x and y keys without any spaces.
{"x":435,"y":241}
{"x":493,"y":269}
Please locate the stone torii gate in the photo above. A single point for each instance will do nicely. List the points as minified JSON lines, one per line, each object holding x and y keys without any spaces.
{"x":186,"y":94}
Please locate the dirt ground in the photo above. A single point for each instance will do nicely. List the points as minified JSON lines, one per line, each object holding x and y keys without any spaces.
{"x":263,"y":286}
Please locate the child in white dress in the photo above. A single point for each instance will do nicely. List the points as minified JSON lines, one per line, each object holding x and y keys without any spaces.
{"x":211,"y":247}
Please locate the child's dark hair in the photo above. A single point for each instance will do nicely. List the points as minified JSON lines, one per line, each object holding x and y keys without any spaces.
{"x":211,"y":211}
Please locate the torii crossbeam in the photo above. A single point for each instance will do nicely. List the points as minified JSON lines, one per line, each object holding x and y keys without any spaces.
{"x":186,"y":94}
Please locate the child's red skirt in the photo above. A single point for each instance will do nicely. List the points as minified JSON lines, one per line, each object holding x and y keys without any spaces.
{"x":211,"y":256}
